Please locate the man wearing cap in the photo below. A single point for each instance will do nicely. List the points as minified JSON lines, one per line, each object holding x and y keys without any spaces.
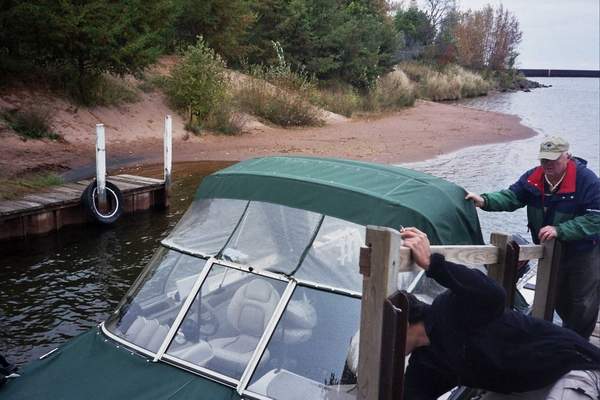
{"x":563,"y":201}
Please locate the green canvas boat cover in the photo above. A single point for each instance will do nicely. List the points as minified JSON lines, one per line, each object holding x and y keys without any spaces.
{"x":363,"y":193}
{"x":91,"y":368}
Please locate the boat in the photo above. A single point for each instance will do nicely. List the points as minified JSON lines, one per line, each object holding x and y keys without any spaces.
{"x":256,"y":293}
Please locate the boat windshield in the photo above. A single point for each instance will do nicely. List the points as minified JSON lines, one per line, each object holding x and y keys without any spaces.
{"x":309,"y":355}
{"x":150,"y":307}
{"x":225,"y":322}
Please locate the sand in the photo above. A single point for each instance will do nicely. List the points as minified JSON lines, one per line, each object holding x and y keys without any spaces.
{"x":134,"y":135}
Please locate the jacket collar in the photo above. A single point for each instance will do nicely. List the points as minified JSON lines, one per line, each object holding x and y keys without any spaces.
{"x":536,"y":179}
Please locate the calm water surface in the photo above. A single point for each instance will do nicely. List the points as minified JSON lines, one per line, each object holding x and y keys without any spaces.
{"x":55,"y":287}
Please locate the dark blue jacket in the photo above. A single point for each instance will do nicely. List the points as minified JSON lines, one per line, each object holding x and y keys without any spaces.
{"x":574,"y":209}
{"x":476,"y":342}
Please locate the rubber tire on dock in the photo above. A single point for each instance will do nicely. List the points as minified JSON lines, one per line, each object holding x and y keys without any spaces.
{"x":114,"y":198}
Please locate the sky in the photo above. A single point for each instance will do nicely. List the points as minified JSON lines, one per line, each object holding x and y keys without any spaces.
{"x":557,"y":34}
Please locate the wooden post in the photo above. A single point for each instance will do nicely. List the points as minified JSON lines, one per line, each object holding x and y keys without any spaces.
{"x":496,"y":270}
{"x":379,"y":282}
{"x":546,"y":284}
{"x":101,"y":166}
{"x":168,"y":157}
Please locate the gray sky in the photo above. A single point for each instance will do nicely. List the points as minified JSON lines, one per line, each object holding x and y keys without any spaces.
{"x":559,"y":34}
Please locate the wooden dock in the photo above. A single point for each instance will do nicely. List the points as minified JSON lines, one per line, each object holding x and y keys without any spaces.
{"x":61,"y":205}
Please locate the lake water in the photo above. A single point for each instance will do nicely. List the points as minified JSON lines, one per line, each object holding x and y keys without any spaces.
{"x":570,"y":108}
{"x":55,"y":287}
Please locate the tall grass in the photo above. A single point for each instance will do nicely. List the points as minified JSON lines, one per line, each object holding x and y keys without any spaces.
{"x":276,"y":105}
{"x":450,"y":83}
{"x":393,"y":91}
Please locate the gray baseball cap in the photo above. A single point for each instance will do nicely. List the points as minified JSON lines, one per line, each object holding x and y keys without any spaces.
{"x":552,"y":147}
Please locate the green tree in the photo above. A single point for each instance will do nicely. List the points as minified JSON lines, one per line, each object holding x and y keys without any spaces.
{"x":333,"y":39}
{"x":222,"y":23}
{"x":85,"y":38}
{"x":415,"y":26}
{"x":198,"y":84}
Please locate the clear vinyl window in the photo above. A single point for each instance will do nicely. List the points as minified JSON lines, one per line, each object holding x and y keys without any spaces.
{"x":150,"y":308}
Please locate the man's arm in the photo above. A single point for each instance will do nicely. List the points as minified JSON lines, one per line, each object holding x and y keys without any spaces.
{"x":481,"y":298}
{"x":588,"y":224}
{"x":504,"y":200}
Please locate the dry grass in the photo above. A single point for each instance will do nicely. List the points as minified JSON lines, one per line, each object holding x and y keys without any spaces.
{"x":281,"y":107}
{"x":450,"y":83}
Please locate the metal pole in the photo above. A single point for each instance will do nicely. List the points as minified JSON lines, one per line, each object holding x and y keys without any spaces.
{"x":101,"y":165}
{"x":168,"y":156}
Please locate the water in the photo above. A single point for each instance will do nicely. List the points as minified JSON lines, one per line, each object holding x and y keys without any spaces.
{"x":569,"y":108}
{"x":53,"y":288}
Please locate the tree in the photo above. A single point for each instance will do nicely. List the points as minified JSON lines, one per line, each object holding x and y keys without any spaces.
{"x":222,"y":23}
{"x":436,"y":10}
{"x":198,"y":84}
{"x":351,"y":40}
{"x":86,"y":38}
{"x":415,"y":26}
{"x":487,"y":38}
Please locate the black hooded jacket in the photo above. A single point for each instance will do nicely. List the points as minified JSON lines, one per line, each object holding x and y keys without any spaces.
{"x":476,"y":342}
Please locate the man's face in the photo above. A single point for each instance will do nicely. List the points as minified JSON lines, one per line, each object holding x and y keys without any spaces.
{"x":555,"y":168}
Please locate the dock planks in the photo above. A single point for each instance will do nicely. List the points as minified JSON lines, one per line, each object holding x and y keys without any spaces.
{"x":60,"y":205}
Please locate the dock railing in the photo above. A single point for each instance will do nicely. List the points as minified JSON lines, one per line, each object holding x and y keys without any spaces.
{"x":380,"y":374}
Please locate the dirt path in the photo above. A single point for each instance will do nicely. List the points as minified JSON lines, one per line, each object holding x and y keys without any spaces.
{"x":134,"y":136}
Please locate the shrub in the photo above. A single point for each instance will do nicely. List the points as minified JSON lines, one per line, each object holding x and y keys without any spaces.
{"x":225,"y":120}
{"x":276,"y":105}
{"x":394,"y":90}
{"x":449,"y":83}
{"x":343,"y":100}
{"x":198,"y":84}
{"x":32,"y":124}
{"x":105,"y":90}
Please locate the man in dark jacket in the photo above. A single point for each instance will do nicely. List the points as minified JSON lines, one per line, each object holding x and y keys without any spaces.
{"x":467,"y":337}
{"x":563,"y":202}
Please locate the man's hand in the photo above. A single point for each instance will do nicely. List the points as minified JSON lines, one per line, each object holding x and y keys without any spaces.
{"x":547,"y":232}
{"x":477,"y":199}
{"x":418,"y":243}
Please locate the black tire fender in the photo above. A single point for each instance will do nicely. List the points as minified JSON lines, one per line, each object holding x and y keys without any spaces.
{"x":115,"y":200}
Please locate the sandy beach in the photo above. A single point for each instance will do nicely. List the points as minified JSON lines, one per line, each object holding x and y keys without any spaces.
{"x":134,"y":136}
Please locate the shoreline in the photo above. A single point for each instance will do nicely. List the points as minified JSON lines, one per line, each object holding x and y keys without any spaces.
{"x":417,"y":133}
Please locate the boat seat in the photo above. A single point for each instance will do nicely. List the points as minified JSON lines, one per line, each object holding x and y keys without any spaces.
{"x":146,"y":333}
{"x":248,"y":313}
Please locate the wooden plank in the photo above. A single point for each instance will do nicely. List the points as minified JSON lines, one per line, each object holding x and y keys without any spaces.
{"x":143,"y":179}
{"x":496,"y":270}
{"x":127,"y":186}
{"x":546,"y":281}
{"x":530,"y":252}
{"x":377,"y":286}
{"x":9,"y":209}
{"x":54,"y":198}
{"x":68,"y":190}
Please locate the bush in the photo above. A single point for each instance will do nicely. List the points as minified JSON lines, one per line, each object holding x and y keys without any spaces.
{"x":394,"y":90}
{"x":226,"y":120}
{"x":104,"y":90}
{"x":340,"y":99}
{"x":276,"y":105}
{"x":198,"y":84}
{"x":448,"y":83}
{"x":32,"y":124}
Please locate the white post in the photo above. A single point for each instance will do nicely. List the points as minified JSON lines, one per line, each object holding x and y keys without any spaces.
{"x":101,"y":165}
{"x":168,"y":157}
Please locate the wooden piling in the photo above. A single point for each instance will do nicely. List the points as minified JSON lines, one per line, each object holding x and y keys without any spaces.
{"x":168,"y":157}
{"x":101,"y":166}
